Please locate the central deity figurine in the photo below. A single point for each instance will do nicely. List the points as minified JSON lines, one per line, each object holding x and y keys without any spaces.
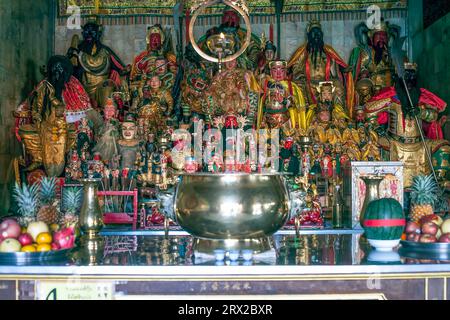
{"x":234,"y":91}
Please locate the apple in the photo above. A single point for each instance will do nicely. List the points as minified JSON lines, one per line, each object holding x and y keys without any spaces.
{"x":25,"y":239}
{"x":412,"y":227}
{"x":10,"y":245}
{"x":55,"y":246}
{"x":431,"y":218}
{"x":427,"y":238}
{"x":445,"y":226}
{"x":445,"y":238}
{"x":9,"y":228}
{"x":413,"y":237}
{"x":430,"y":228}
{"x":34,"y":228}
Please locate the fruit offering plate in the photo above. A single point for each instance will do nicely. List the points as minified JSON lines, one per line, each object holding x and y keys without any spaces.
{"x":24,"y":258}
{"x":426,"y":247}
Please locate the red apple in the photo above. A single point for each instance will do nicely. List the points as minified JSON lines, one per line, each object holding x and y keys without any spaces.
{"x":445,"y":238}
{"x":430,"y":228}
{"x":25,"y":239}
{"x":431,"y":218}
{"x":9,"y":228}
{"x":413,"y":237}
{"x":427,"y":238}
{"x":412,"y":227}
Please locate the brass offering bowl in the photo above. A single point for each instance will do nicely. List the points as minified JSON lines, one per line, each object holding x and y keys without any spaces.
{"x":231,"y":210}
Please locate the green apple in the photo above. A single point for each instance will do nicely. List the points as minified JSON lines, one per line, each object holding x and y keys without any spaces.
{"x":10,"y":245}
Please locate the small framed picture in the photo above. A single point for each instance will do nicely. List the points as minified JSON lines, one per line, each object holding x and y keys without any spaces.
{"x":355,"y":189}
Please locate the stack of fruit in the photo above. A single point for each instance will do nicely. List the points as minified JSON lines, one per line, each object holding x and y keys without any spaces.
{"x":40,"y":225}
{"x":428,"y":229}
{"x":36,"y":237}
{"x":425,"y":226}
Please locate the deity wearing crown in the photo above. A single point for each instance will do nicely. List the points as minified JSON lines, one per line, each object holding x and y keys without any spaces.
{"x":158,"y":58}
{"x":371,"y":60}
{"x":282,"y":104}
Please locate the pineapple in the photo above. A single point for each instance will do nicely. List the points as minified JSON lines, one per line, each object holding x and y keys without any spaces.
{"x":27,"y":198}
{"x":48,"y":212}
{"x":424,"y":194}
{"x":72,"y":198}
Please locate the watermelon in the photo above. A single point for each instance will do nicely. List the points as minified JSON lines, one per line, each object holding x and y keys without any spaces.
{"x":384,"y":220}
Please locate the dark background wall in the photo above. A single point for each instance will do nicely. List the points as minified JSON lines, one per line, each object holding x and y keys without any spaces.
{"x":26,"y":42}
{"x":429,"y":32}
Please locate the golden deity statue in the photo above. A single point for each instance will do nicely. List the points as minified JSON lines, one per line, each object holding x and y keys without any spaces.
{"x":390,"y":108}
{"x":54,"y":106}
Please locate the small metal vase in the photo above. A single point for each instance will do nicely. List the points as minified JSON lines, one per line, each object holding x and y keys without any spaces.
{"x":91,"y":216}
{"x":372,"y":192}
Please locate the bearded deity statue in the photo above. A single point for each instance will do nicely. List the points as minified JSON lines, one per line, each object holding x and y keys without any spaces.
{"x":46,"y":121}
{"x":233,"y":92}
{"x":231,"y":27}
{"x":157,"y":58}
{"x":315,"y":62}
{"x":97,"y":66}
{"x":282,"y":104}
{"x":371,"y":60}
{"x":390,"y":108}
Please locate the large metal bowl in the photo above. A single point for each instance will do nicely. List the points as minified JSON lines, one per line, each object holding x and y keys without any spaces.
{"x":231,"y":206}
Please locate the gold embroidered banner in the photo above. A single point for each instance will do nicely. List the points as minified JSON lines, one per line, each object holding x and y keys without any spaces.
{"x":257,"y":7}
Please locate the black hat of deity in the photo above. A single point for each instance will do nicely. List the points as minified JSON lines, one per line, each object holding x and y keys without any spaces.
{"x":270,"y":46}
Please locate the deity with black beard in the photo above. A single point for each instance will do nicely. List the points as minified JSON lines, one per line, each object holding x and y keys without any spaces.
{"x":374,"y":62}
{"x":47,"y":118}
{"x":392,"y":111}
{"x":315,"y":62}
{"x":96,"y":65}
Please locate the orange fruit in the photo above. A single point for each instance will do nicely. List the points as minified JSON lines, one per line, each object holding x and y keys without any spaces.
{"x":28,"y":248}
{"x":44,"y":238}
{"x":44,"y":247}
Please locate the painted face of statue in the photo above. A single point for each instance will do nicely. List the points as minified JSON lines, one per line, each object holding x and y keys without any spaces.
{"x":109,"y":110}
{"x":155,"y":83}
{"x":155,"y":41}
{"x":230,"y":65}
{"x":128,"y":130}
{"x":91,"y":32}
{"x":410,"y":78}
{"x":380,"y":39}
{"x":270,"y":54}
{"x":230,"y":19}
{"x":326,"y":95}
{"x":161,"y":66}
{"x":278,"y":73}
